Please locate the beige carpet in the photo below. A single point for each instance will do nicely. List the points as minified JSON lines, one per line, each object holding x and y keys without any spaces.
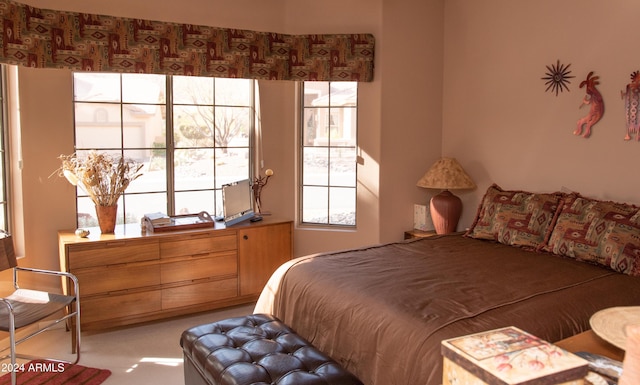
{"x":135,"y":355}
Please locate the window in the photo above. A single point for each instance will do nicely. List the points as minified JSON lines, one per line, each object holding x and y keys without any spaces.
{"x":328,"y":151}
{"x":193,"y":134}
{"x":4,"y":154}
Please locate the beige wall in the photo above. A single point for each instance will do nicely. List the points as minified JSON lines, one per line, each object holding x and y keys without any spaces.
{"x":399,"y":122}
{"x":473,"y":92}
{"x":411,"y":108}
{"x":47,"y":132}
{"x":498,"y":120}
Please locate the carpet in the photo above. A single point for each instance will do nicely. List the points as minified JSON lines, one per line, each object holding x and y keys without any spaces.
{"x":53,"y":373}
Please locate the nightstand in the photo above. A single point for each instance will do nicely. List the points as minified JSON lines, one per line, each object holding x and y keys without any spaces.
{"x":590,"y":342}
{"x":418,"y":234}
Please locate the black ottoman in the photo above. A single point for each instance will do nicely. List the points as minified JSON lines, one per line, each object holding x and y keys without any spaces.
{"x":256,"y":349}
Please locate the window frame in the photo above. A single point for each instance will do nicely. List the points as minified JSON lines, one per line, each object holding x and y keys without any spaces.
{"x":5,"y":189}
{"x":170,"y":147}
{"x":301,"y":160}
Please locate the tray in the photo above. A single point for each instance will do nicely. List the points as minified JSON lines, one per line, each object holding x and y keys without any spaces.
{"x":183,"y":222}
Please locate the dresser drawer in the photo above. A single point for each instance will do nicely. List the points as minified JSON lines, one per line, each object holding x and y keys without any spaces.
{"x":199,"y":293}
{"x":208,"y":266}
{"x":114,"y":278}
{"x":116,"y":306}
{"x":109,"y":253}
{"x":197,"y":245}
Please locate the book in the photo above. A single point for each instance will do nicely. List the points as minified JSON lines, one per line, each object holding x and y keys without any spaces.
{"x":509,"y":356}
{"x":606,"y":366}
{"x":157,"y":218}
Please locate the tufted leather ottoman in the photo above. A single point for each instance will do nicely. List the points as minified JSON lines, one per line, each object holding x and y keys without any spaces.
{"x":256,"y":349}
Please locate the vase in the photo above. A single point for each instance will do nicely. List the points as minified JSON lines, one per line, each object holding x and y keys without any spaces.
{"x":107,"y":218}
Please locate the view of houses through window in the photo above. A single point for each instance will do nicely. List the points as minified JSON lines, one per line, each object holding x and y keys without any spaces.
{"x":328,"y":152}
{"x":193,"y":135}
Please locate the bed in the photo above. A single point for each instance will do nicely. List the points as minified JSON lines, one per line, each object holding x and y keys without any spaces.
{"x":382,"y":311}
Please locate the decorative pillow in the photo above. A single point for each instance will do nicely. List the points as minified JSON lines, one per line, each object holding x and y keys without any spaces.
{"x":605,"y":233}
{"x":517,"y":218}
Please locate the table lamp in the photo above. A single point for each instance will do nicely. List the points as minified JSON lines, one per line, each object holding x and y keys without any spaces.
{"x":446,"y":174}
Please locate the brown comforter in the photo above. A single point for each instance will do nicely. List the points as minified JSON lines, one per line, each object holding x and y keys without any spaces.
{"x":382,"y":311}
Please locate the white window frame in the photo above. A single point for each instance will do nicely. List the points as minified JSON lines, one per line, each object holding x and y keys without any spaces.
{"x":334,"y":111}
{"x":170,"y":148}
{"x":5,"y":206}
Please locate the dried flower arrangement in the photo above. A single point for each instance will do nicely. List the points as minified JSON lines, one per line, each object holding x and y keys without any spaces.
{"x":103,"y":177}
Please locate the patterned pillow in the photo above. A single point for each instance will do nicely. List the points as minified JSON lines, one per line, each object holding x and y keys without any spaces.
{"x":516,"y":218}
{"x":606,"y":233}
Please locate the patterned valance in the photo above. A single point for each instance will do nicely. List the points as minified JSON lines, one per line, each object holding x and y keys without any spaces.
{"x":45,"y":38}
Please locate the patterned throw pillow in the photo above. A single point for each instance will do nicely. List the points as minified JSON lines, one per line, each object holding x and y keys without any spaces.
{"x":606,"y":233}
{"x":517,"y":218}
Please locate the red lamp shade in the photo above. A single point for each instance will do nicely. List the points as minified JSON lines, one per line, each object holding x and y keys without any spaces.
{"x":446,"y":174}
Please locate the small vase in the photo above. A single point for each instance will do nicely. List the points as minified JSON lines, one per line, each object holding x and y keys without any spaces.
{"x":107,"y":218}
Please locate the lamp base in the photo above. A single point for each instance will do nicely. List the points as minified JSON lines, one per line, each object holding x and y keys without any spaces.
{"x":445,"y":212}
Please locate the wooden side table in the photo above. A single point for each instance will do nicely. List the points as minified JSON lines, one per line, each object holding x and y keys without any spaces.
{"x":590,"y":342}
{"x":418,"y":234}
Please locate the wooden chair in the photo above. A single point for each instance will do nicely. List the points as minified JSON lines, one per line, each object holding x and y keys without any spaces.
{"x":27,"y":307}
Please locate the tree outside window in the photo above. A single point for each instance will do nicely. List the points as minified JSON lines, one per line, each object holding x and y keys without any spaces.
{"x":192,"y":134}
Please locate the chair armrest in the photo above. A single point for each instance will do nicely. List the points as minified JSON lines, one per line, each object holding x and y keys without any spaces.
{"x":45,"y":272}
{"x":42,"y":271}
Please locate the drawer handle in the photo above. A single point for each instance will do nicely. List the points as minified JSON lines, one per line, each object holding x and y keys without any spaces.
{"x":245,"y":237}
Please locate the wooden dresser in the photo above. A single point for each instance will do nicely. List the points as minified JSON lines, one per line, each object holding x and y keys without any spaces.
{"x":130,"y":277}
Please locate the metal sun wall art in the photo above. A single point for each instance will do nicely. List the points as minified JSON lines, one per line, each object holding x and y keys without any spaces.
{"x":631,"y":97}
{"x":596,"y":110}
{"x":557,"y":77}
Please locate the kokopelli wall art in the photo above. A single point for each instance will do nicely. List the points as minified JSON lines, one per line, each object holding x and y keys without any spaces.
{"x":593,"y":98}
{"x":631,"y":96}
{"x":557,"y":79}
